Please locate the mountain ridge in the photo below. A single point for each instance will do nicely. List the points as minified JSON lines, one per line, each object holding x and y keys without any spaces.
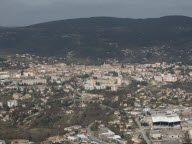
{"x":166,"y":38}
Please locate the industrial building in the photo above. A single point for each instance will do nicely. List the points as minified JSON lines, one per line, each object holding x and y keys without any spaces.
{"x":164,"y":119}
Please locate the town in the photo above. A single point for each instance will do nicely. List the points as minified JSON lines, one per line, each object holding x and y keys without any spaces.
{"x":46,"y":100}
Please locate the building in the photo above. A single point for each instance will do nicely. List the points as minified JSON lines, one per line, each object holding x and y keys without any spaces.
{"x":34,"y":81}
{"x":114,"y":88}
{"x":155,"y":134}
{"x":163,"y":119}
{"x":172,"y":134}
{"x":119,"y":140}
{"x":190,"y":134}
{"x":12,"y":103}
{"x":1,"y":105}
{"x":106,"y":133}
{"x":4,"y":75}
{"x":2,"y":142}
{"x":158,"y":78}
{"x":169,"y":78}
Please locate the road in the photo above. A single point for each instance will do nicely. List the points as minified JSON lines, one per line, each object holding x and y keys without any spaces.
{"x":70,"y":118}
{"x":92,"y":137}
{"x":142,"y":130}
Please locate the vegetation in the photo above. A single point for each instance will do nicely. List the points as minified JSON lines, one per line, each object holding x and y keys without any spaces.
{"x":95,"y":126}
{"x":93,"y":40}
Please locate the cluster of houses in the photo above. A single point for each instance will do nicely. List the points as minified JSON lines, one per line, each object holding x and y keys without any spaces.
{"x":42,"y":81}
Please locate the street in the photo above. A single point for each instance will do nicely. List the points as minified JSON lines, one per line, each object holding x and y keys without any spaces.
{"x":143,"y":131}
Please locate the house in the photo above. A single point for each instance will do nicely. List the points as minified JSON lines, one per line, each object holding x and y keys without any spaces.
{"x":106,"y":133}
{"x":69,"y":112}
{"x":17,"y":96}
{"x":117,"y":112}
{"x":114,"y":88}
{"x":72,"y":138}
{"x":83,"y":131}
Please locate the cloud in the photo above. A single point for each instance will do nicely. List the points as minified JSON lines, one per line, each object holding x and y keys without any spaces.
{"x":26,"y":12}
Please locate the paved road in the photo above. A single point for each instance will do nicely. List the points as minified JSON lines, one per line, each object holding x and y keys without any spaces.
{"x":70,"y":118}
{"x":92,"y":137}
{"x":143,"y":131}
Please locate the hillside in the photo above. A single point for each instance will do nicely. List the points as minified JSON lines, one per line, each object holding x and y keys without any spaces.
{"x":129,"y":40}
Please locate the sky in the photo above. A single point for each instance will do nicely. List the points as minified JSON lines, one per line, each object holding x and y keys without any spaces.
{"x":28,"y":12}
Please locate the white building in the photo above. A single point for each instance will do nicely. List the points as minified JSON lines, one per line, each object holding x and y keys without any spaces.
{"x":107,"y":133}
{"x":2,"y":142}
{"x":89,"y":87}
{"x":158,"y":78}
{"x":169,"y":78}
{"x":190,"y":134}
{"x":34,"y":81}
{"x":1,"y":105}
{"x":4,"y":76}
{"x":165,"y":119}
{"x":114,"y":88}
{"x":26,"y":74}
{"x":12,"y":103}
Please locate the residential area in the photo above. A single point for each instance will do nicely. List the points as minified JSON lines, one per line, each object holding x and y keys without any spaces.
{"x":45,"y":100}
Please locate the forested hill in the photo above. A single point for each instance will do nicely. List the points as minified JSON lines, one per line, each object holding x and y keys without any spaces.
{"x":129,"y":40}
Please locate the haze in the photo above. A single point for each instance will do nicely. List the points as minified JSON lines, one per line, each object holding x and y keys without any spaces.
{"x":27,"y":12}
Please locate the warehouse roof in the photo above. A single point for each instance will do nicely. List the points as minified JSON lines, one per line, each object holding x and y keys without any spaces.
{"x":165,"y":118}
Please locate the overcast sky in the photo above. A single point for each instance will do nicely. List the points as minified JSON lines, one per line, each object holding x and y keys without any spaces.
{"x":26,"y":12}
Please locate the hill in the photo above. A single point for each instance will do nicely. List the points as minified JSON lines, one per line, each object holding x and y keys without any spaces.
{"x":99,"y":38}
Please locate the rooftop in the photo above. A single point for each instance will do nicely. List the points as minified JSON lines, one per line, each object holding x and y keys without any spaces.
{"x":165,"y":118}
